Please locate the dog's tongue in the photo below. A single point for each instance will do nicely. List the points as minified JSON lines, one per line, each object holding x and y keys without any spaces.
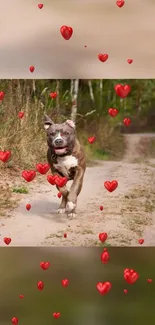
{"x":61,"y":150}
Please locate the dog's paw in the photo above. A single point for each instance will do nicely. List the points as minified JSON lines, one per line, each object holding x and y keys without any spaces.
{"x":71,"y":215}
{"x":70,"y":206}
{"x":60,"y":211}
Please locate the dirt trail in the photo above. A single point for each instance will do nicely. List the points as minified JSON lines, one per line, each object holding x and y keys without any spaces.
{"x":128,"y":214}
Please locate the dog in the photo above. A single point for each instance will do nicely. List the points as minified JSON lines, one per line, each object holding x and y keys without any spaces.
{"x":67,"y":159}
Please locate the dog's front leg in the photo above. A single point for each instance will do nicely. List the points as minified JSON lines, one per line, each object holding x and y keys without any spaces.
{"x":74,"y":192}
{"x":64,"y":192}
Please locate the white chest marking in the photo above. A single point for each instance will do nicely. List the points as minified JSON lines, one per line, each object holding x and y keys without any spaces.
{"x":65,"y":163}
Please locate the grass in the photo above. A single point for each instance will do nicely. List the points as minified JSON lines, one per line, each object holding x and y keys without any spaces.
{"x":21,"y":190}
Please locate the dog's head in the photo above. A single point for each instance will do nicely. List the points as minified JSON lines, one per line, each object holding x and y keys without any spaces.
{"x":60,"y":137}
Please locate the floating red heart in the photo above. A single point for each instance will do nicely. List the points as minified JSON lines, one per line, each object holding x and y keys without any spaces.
{"x":120,"y":3}
{"x":130,"y":276}
{"x":32,"y":68}
{"x":103,"y":236}
{"x":127,"y":121}
{"x":40,"y":285}
{"x":103,"y":287}
{"x":15,"y":320}
{"x":65,"y":235}
{"x":111,"y":186}
{"x":91,"y":140}
{"x":42,"y":168}
{"x":103,"y":57}
{"x":21,"y":296}
{"x":2,"y":95}
{"x":113,"y":112}
{"x":7,"y":240}
{"x":141,"y":241}
{"x":122,"y":91}
{"x":56,"y":315}
{"x":149,"y":280}
{"x":40,"y":5}
{"x":51,"y":179}
{"x":45,"y":265}
{"x":28,"y":206}
{"x":5,"y":155}
{"x":28,"y":175}
{"x":125,"y":291}
{"x":61,"y":181}
{"x":66,"y":32}
{"x":65,"y":283}
{"x":59,"y":195}
{"x":105,"y":256}
{"x":53,"y":95}
{"x":21,"y":114}
{"x":129,"y":61}
{"x":101,"y":208}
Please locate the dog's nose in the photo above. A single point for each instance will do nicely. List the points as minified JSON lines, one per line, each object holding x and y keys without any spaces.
{"x":58,"y":142}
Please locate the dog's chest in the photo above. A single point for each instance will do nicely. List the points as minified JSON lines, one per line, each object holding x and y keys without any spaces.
{"x":64,"y":164}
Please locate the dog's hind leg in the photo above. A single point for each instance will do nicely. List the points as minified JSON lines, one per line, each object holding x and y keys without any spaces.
{"x":65,"y":192}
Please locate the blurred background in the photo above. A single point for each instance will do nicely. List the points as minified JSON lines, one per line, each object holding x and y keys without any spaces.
{"x":80,"y":302}
{"x":31,"y":36}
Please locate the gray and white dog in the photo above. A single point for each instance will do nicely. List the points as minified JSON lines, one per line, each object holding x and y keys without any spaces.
{"x":66,"y":159}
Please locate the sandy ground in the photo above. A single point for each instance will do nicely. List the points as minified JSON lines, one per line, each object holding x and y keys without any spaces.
{"x":128,"y":214}
{"x":30,"y":36}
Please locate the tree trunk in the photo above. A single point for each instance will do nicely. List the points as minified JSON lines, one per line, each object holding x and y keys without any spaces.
{"x":75,"y":91}
{"x":91,"y":91}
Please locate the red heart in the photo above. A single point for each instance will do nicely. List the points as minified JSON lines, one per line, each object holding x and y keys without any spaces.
{"x":91,"y":140}
{"x":65,"y":283}
{"x":5,"y":155}
{"x":7,"y":240}
{"x":65,"y":235}
{"x":28,"y":207}
{"x":40,"y":285}
{"x":53,"y":95}
{"x":45,"y":265}
{"x":103,"y":236}
{"x":129,"y":61}
{"x":40,"y":6}
{"x":56,"y":315}
{"x":51,"y":179}
{"x":21,"y":296}
{"x":122,"y":91}
{"x":113,"y":112}
{"x":125,"y":291}
{"x":14,"y":320}
{"x":149,"y":280}
{"x":101,"y":207}
{"x":43,"y":168}
{"x":61,"y":181}
{"x":120,"y":3}
{"x":29,"y":175}
{"x":127,"y":121}
{"x":141,"y":241}
{"x":31,"y":68}
{"x":21,"y":114}
{"x":59,"y":195}
{"x":111,"y":186}
{"x":105,"y":256}
{"x":103,"y":57}
{"x":2,"y":95}
{"x":66,"y":32}
{"x":130,"y":276}
{"x":103,"y":287}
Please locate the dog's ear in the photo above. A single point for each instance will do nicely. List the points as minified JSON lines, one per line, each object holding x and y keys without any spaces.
{"x":71,"y":124}
{"x":47,"y":122}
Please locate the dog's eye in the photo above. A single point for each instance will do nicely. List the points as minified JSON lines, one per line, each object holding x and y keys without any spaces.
{"x":52,"y":134}
{"x":66,"y":133}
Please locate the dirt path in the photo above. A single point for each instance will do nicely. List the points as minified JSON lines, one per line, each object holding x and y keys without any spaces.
{"x":128,"y":214}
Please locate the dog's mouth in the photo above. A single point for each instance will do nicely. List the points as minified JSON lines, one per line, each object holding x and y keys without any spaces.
{"x":60,"y":150}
